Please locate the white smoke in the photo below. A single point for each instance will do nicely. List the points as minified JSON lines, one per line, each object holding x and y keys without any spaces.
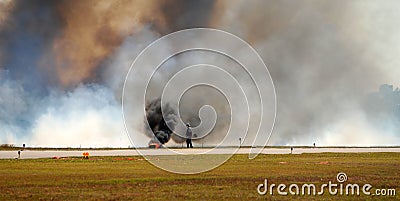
{"x":13,"y":106}
{"x":325,"y":58}
{"x":88,"y":116}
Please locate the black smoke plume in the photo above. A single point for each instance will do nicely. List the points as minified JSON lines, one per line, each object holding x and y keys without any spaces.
{"x":160,"y":132}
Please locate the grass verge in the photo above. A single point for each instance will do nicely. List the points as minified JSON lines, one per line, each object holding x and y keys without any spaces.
{"x":133,"y":178}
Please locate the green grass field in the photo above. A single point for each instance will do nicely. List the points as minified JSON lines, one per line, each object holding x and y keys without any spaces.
{"x":133,"y":178}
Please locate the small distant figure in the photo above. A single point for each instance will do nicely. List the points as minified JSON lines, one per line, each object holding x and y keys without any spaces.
{"x":291,"y":150}
{"x":314,"y":144}
{"x":189,"y":136}
{"x":23,"y":146}
{"x":19,"y":153}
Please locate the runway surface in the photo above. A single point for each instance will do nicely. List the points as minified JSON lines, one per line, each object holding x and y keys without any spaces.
{"x":27,"y":154}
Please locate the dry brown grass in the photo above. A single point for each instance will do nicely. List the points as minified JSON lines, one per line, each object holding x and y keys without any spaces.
{"x":132,"y":178}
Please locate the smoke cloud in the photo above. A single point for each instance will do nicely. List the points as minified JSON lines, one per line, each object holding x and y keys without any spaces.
{"x":160,"y":131}
{"x":63,"y":63}
{"x":324,"y":58}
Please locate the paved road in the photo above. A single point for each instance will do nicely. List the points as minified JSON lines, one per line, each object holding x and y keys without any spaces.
{"x":49,"y":154}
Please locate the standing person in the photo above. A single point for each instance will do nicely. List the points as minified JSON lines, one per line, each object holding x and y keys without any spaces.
{"x":188,"y":136}
{"x":19,"y":153}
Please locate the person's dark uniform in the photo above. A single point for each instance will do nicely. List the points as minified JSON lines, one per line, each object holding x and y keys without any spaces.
{"x":189,"y":137}
{"x":19,"y":153}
